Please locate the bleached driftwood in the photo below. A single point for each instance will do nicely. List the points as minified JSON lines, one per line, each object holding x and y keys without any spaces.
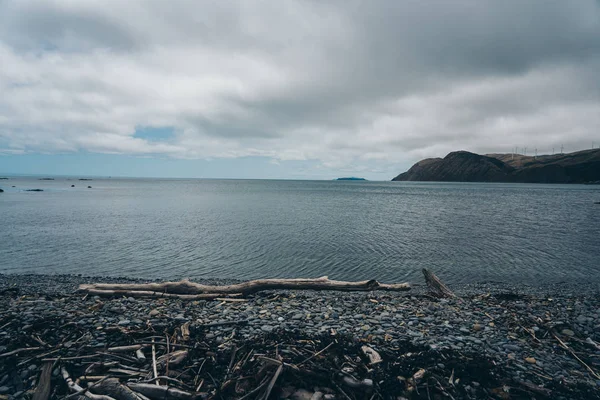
{"x":435,"y":285}
{"x":113,"y":388}
{"x":188,"y":290}
{"x":147,"y":293}
{"x":160,"y":392}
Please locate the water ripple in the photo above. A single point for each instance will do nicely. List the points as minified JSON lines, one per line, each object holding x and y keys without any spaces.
{"x":252,"y":229}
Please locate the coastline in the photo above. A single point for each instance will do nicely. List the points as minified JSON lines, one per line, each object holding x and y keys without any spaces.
{"x":505,"y":332}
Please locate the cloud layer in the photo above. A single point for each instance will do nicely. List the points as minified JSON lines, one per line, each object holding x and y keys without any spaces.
{"x":354,"y":85}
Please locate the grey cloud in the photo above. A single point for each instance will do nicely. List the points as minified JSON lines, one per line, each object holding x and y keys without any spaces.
{"x":339,"y":82}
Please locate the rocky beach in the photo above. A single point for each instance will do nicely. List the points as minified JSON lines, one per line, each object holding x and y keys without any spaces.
{"x":491,"y":341}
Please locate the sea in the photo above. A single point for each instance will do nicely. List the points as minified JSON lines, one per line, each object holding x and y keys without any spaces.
{"x":347,"y":230}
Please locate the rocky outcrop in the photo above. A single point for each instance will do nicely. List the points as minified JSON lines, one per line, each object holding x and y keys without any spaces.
{"x":463,"y":166}
{"x":459,"y":166}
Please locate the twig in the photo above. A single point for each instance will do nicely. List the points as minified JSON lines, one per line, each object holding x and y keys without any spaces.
{"x":594,"y":374}
{"x":341,"y":391}
{"x":233,"y":354}
{"x":78,"y":389}
{"x":10,"y":353}
{"x":71,"y":358}
{"x":84,"y":391}
{"x":154,"y":363}
{"x":166,"y":378}
{"x":316,"y":354}
{"x":255,"y":390}
{"x":273,"y":381}
{"x":168,"y":352}
{"x":224,"y":323}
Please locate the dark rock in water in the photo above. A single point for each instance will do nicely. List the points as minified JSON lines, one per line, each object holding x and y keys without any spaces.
{"x":85,"y":179}
{"x":1,"y":191}
{"x":89,"y":187}
{"x":3,"y":178}
{"x":351,"y":178}
{"x":597,"y":202}
{"x":34,"y":190}
{"x":46,"y":179}
{"x":72,"y":185}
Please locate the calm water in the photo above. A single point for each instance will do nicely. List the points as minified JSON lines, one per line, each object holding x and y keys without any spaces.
{"x":347,"y":230}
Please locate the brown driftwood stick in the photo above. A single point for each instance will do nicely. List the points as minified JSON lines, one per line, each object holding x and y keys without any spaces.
{"x":435,"y":285}
{"x":187,"y":288}
{"x":42,"y":392}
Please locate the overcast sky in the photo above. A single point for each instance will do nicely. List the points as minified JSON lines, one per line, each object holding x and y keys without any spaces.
{"x":296,"y":89}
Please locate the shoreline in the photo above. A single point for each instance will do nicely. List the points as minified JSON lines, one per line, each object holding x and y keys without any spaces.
{"x":493,"y":336}
{"x":55,"y":284}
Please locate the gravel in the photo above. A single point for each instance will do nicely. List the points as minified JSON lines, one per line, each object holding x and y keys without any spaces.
{"x":512,"y":326}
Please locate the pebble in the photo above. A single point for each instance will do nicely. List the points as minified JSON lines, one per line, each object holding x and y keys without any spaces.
{"x":394,"y":321}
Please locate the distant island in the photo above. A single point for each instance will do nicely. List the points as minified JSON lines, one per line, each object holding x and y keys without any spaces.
{"x":463,"y":166}
{"x":350,"y":178}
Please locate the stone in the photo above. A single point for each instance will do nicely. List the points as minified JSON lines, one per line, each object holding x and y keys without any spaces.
{"x":530,"y":360}
{"x":301,"y":394}
{"x":4,"y":390}
{"x":568,"y":332}
{"x":477,"y":327}
{"x":153,"y":312}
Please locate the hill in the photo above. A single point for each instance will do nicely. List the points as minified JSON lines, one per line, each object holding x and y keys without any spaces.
{"x":463,"y":166}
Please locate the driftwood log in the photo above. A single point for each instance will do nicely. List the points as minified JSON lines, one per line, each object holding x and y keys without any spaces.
{"x":194,"y":291}
{"x":436,"y":286}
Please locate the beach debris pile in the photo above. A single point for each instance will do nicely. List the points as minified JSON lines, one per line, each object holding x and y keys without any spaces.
{"x":56,"y":343}
{"x":182,"y":364}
